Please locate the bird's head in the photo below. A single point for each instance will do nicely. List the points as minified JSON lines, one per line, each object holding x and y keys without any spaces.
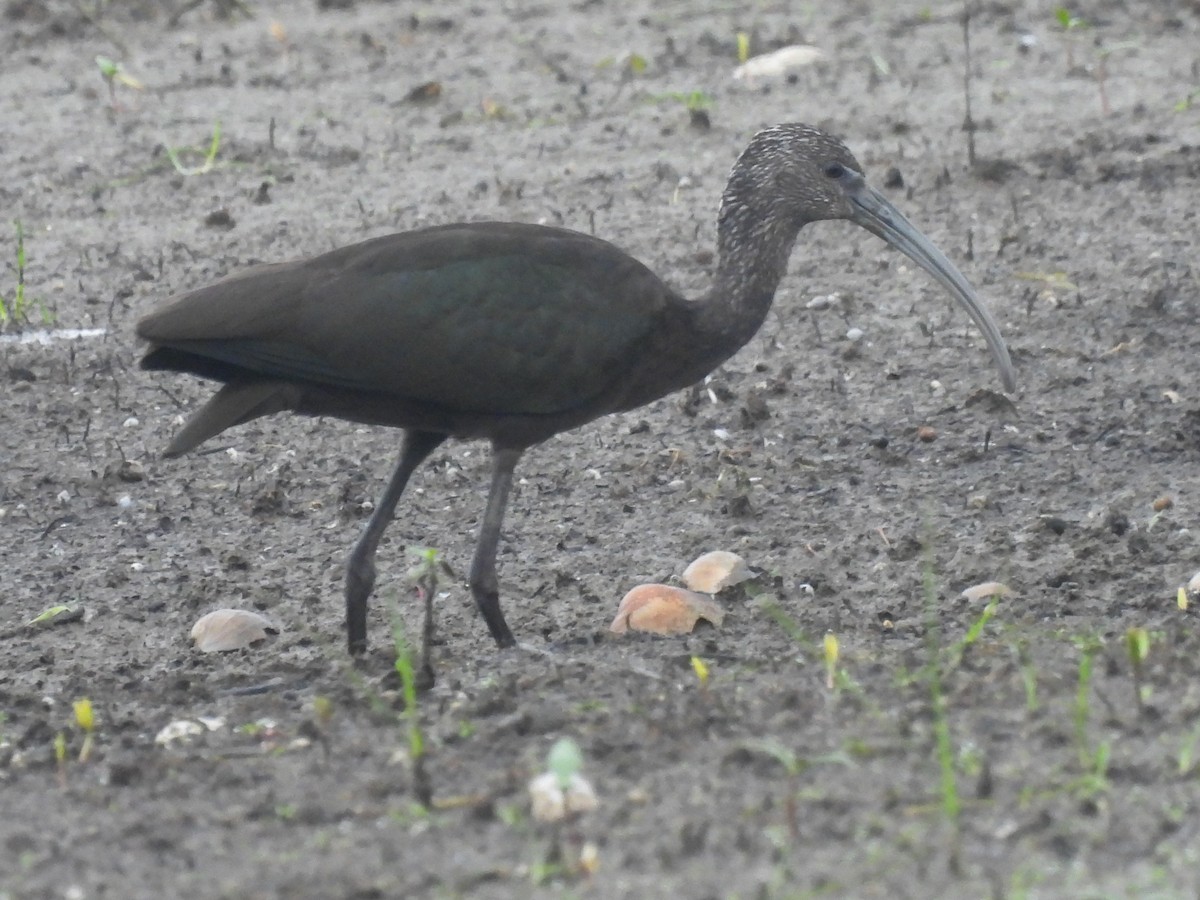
{"x":793,"y":174}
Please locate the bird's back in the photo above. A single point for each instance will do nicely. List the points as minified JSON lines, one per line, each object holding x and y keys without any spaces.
{"x":474,"y":319}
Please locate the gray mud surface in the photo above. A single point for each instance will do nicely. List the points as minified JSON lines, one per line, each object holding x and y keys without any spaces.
{"x":1078,"y":226}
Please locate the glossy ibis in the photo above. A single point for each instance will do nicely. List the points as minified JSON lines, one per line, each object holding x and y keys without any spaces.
{"x":510,"y":332}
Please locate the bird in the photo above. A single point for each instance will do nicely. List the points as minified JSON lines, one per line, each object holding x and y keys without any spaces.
{"x":510,"y":332}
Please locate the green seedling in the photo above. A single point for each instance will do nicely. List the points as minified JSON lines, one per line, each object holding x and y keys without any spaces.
{"x":831,"y":652}
{"x":1057,"y":281}
{"x":16,"y":309}
{"x":1189,"y":100}
{"x":743,"y":47}
{"x":60,"y":758}
{"x":697,"y":104}
{"x":1028,"y":675}
{"x":565,"y":761}
{"x":1137,"y":645}
{"x":974,"y":632}
{"x":1071,"y":26}
{"x":1068,"y":21}
{"x":49,"y":615}
{"x":113,"y":74}
{"x":559,"y":797}
{"x":794,"y":765}
{"x":630,"y":65}
{"x":422,"y":788}
{"x":948,"y":784}
{"x":1094,"y":761}
{"x":789,"y":625}
{"x":322,"y":711}
{"x":85,"y":718}
{"x":424,"y":577}
{"x":1187,"y":752}
{"x":209,"y":155}
{"x":700,"y":668}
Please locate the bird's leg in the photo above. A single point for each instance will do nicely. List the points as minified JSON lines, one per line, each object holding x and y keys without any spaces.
{"x":360,"y":567}
{"x":484,"y":586}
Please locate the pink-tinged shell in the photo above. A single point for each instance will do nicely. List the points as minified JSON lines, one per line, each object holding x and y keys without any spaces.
{"x":985,"y":591}
{"x":230,"y":629}
{"x":662,"y":609}
{"x":713,"y":572}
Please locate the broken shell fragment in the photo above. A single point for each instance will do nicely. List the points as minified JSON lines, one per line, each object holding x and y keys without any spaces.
{"x":185,"y":729}
{"x":230,"y":629}
{"x":778,"y":63}
{"x":985,"y":591}
{"x":552,"y":802}
{"x":715,"y":571}
{"x":1193,"y":586}
{"x":662,"y":609}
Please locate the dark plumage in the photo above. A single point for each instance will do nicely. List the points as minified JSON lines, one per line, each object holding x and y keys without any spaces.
{"x":509,"y":332}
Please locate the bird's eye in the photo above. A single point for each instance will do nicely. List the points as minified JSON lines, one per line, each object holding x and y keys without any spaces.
{"x":834,"y":170}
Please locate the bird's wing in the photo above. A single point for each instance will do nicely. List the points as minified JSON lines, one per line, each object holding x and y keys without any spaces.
{"x":489,"y":317}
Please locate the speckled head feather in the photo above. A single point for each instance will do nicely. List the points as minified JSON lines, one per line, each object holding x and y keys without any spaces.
{"x":790,"y":174}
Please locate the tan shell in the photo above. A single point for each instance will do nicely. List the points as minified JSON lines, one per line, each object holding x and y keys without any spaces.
{"x":662,"y":609}
{"x":230,"y":629}
{"x":985,"y":591}
{"x":714,"y":571}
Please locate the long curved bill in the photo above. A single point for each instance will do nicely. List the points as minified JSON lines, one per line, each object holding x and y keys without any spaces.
{"x":875,"y":213}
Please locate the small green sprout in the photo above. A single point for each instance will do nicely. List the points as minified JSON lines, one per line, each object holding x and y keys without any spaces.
{"x":743,"y":47}
{"x":422,"y":787}
{"x":322,"y":710}
{"x":209,"y":161}
{"x":1137,"y":645}
{"x":1067,"y":21}
{"x":831,"y":652}
{"x":60,"y":757}
{"x":49,"y":615}
{"x":565,"y":761}
{"x":85,"y":718}
{"x":16,"y":310}
{"x":700,"y":667}
{"x":113,"y":74}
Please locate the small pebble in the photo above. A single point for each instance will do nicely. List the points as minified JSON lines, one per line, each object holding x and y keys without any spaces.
{"x":927,"y":433}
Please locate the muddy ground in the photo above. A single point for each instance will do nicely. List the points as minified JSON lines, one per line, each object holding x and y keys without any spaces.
{"x":1075,"y":773}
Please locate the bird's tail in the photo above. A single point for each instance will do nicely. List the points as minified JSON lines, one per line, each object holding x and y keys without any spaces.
{"x":233,"y":404}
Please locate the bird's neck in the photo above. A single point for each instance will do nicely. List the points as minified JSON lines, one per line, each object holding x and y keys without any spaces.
{"x":752,"y":258}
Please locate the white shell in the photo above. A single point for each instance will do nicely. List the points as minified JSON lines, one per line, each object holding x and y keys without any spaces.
{"x":1193,"y":585}
{"x":230,"y":629}
{"x":713,"y":572}
{"x":778,"y":62}
{"x":985,"y":591}
{"x":552,"y":803}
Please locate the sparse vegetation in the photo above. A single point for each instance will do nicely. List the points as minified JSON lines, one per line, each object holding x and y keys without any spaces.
{"x":208,"y":155}
{"x":14,"y":311}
